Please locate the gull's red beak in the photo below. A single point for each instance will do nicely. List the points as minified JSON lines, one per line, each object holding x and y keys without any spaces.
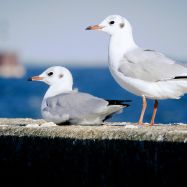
{"x":94,"y":27}
{"x":35,"y":78}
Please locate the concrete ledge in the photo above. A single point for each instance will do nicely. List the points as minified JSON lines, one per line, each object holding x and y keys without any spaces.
{"x":38,"y":128}
{"x":93,"y":155}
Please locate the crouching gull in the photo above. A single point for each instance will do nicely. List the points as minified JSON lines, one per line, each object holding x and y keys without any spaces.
{"x":61,"y":104}
{"x":143,"y":72}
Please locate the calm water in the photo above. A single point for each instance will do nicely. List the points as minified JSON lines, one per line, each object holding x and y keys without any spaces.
{"x":20,"y":98}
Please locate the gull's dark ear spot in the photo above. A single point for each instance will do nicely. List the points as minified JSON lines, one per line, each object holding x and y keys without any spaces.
{"x":122,"y":25}
{"x":61,"y":75}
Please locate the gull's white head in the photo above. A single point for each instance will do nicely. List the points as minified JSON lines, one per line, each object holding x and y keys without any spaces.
{"x":54,"y":75}
{"x":58,"y":78}
{"x":113,"y":25}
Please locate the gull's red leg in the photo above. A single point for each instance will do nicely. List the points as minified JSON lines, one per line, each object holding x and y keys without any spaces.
{"x":144,"y":105}
{"x":154,"y":113}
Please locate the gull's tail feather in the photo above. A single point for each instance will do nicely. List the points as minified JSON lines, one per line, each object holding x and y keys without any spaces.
{"x":115,"y":106}
{"x":181,"y":77}
{"x":118,"y":102}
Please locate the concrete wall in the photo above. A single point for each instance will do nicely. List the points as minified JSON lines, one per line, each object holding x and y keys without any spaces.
{"x":93,"y":155}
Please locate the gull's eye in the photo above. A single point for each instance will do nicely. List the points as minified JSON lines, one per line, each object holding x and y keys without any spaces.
{"x":111,"y":22}
{"x":50,"y":74}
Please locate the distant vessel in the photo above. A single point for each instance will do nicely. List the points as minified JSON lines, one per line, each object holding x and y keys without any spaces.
{"x":10,"y":67}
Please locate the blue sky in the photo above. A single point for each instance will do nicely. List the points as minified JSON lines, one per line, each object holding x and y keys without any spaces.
{"x":49,"y":31}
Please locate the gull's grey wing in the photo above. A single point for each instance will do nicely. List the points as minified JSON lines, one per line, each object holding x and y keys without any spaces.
{"x":74,"y":105}
{"x":150,"y":65}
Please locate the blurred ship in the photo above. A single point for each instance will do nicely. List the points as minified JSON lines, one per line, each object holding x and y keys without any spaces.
{"x":10,"y":67}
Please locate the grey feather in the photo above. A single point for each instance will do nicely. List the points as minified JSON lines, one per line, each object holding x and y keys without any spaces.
{"x":76,"y":106}
{"x":150,"y":66}
{"x":75,"y":103}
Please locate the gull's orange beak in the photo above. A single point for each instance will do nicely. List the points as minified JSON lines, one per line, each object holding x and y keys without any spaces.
{"x":35,"y":78}
{"x":94,"y":27}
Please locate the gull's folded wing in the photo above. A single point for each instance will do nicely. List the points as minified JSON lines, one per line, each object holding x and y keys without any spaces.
{"x":150,"y":66}
{"x":75,"y":104}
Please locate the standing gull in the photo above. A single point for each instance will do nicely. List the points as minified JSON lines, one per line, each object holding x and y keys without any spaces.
{"x":145,"y":73}
{"x":61,"y":104}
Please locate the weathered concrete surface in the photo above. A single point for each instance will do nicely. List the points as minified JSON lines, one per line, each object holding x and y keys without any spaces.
{"x":38,"y":128}
{"x":93,"y":155}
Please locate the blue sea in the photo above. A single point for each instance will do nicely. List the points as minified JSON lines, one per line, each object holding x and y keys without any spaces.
{"x":22,"y":99}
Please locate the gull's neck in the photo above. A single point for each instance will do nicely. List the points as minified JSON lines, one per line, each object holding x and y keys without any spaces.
{"x":120,"y":43}
{"x":58,"y":88}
